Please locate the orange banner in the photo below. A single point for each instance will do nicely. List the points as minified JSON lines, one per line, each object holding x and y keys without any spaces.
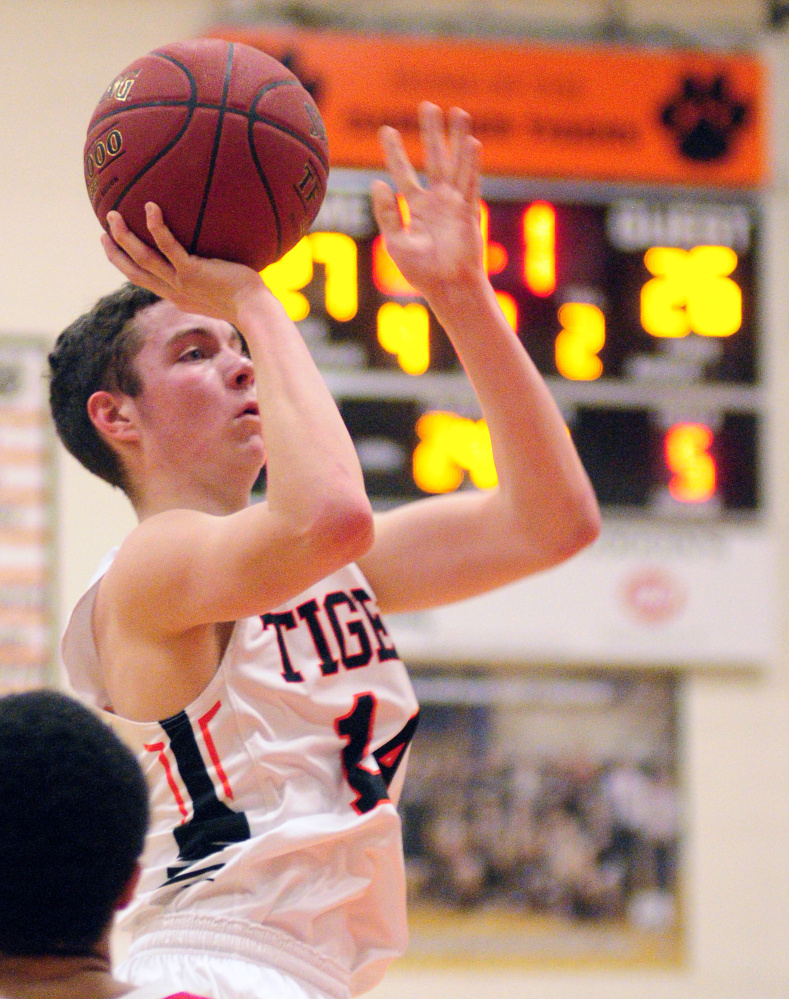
{"x":600,"y":113}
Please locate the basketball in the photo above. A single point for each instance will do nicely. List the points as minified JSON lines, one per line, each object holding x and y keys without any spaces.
{"x":223,"y":137}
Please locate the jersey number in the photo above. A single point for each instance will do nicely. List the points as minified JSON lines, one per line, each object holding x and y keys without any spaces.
{"x":371,"y":786}
{"x":213,"y":825}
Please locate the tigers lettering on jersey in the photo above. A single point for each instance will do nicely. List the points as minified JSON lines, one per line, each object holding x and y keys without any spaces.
{"x":359,"y":632}
{"x":345,"y":630}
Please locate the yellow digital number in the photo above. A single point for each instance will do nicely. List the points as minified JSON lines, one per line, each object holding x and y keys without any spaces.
{"x":494,"y":260}
{"x":691,"y":292}
{"x":509,"y":307}
{"x":693,"y":469}
{"x":450,"y":446}
{"x":387,"y":276}
{"x":581,"y":339}
{"x":294,"y":271}
{"x":337,"y":252}
{"x":539,"y":248}
{"x":288,"y":275}
{"x":404,"y":330}
{"x":389,"y":280}
{"x":494,"y":255}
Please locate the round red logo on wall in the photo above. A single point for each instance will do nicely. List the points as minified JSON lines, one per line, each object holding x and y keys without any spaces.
{"x":654,"y":595}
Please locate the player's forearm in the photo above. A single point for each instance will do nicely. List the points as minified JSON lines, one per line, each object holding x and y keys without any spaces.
{"x":312,"y":465}
{"x":543,"y":486}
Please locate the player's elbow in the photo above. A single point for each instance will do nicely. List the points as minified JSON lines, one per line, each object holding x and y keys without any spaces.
{"x":343,"y":528}
{"x":586,"y":525}
{"x":576,"y":525}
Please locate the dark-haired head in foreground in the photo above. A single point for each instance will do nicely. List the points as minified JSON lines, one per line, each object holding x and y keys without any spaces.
{"x":73,"y":818}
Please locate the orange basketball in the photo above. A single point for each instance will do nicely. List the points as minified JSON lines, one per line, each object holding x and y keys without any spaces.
{"x":223,"y":137}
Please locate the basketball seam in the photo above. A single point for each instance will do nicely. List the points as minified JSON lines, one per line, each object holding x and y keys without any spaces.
{"x":265,"y":183}
{"x":111,"y":116}
{"x":283,"y":128}
{"x":202,"y":106}
{"x":284,"y":82}
{"x":294,"y":135}
{"x":176,"y":139}
{"x":214,"y":152}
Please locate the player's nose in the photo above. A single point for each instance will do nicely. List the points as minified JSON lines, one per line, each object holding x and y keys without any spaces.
{"x":241,"y":372}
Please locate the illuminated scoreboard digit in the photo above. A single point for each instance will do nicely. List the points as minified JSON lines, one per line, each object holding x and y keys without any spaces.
{"x":639,"y":307}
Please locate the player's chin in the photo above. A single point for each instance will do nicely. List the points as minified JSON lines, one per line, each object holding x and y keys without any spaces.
{"x":248,"y":427}
{"x":247,"y":440}
{"x":255,"y":449}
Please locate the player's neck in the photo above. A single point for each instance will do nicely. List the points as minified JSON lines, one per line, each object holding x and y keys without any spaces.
{"x":218,"y":498}
{"x":59,"y":978}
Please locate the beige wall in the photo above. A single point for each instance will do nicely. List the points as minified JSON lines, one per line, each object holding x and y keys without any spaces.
{"x":56,"y":56}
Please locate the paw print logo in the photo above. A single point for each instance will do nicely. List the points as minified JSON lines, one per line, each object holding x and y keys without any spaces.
{"x":704,"y":117}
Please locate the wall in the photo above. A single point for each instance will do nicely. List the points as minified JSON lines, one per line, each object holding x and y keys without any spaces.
{"x":56,"y":57}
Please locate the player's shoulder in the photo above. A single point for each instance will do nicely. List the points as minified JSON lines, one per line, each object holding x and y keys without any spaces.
{"x":176,"y":525}
{"x":156,"y":550}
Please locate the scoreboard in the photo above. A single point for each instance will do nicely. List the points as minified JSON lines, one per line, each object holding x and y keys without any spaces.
{"x":640,"y":308}
{"x":624,"y":233}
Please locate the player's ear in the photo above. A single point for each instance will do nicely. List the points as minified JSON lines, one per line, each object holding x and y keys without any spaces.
{"x":131,"y":887}
{"x":111,"y":416}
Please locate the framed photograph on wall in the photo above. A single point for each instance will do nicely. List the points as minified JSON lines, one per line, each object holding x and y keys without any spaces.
{"x":542,"y":817}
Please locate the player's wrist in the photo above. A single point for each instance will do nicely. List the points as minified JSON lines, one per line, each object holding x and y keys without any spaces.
{"x":260,"y":316}
{"x":253,"y":299}
{"x":468,"y":293}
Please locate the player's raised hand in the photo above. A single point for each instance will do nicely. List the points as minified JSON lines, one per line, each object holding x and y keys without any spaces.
{"x":442,"y":243}
{"x":194,"y":284}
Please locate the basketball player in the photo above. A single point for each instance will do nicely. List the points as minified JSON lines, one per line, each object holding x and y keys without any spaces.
{"x":73,"y":815}
{"x":241,"y":646}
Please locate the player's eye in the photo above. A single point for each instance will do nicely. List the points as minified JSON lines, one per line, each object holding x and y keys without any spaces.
{"x":192,"y":354}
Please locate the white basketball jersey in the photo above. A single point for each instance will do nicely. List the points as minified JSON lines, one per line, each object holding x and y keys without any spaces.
{"x":273,"y":794}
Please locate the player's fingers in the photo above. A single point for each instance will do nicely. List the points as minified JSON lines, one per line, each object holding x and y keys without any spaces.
{"x":467,"y":175}
{"x":458,"y":128}
{"x":437,"y":154}
{"x":164,"y":239}
{"x":397,"y":161}
{"x":144,"y":256}
{"x":132,"y":271}
{"x":385,"y":209}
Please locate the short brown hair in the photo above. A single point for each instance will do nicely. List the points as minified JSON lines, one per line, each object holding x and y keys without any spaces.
{"x":96,"y":352}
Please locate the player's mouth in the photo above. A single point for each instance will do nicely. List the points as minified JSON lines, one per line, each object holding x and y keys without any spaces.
{"x":251,"y":409}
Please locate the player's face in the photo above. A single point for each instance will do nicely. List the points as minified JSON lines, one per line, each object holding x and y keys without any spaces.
{"x":197,"y":411}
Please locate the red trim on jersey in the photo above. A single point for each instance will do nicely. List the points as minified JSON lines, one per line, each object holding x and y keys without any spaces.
{"x":210,"y":745}
{"x":158,"y":747}
{"x":389,"y":759}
